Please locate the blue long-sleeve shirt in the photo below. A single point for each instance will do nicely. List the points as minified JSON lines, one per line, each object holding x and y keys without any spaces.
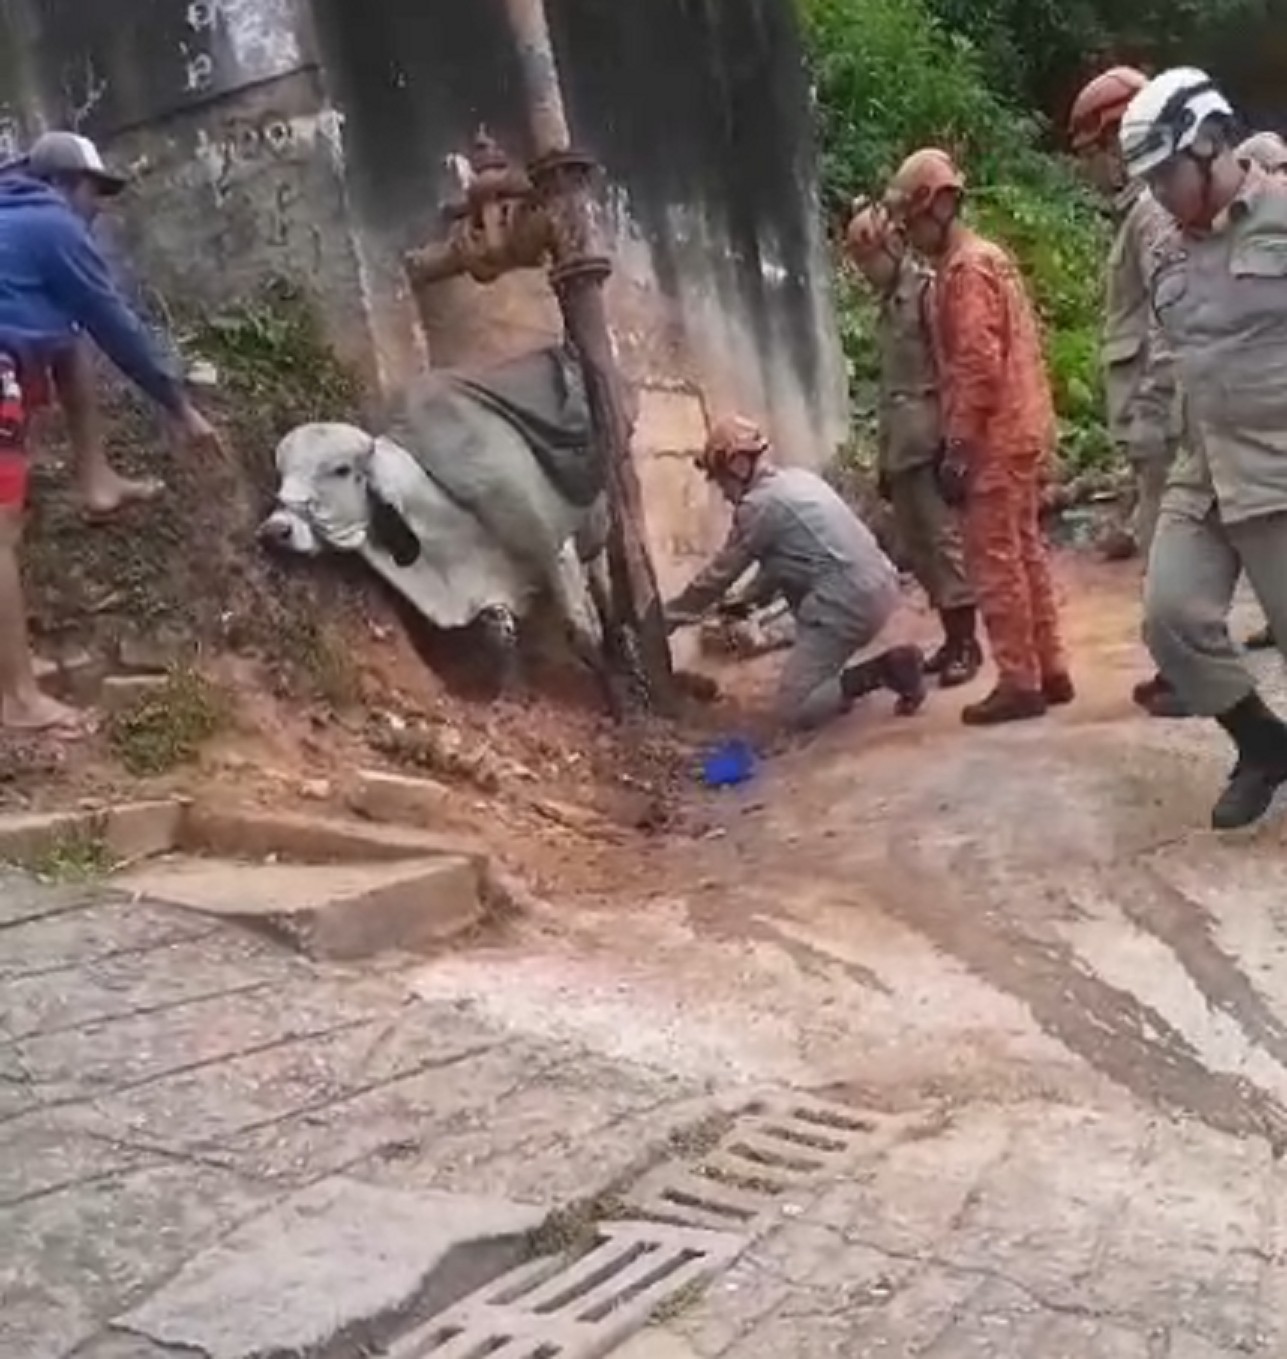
{"x":54,"y":283}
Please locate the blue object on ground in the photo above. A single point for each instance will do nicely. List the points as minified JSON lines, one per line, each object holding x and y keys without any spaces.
{"x":728,"y":764}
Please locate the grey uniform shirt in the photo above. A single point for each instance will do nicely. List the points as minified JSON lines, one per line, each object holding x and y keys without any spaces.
{"x":910,"y":429}
{"x":810,"y":547}
{"x":1220,"y":306}
{"x":1142,"y":227}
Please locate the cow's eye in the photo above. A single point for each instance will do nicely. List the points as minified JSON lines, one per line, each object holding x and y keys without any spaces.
{"x":343,"y":473}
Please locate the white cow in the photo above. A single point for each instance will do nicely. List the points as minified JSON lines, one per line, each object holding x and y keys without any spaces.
{"x":459,"y":513}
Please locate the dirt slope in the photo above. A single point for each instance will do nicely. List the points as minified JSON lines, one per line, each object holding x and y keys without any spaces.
{"x":315,"y":669}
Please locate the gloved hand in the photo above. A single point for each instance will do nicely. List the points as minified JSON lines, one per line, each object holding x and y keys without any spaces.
{"x":676,"y":619}
{"x":953,"y":474}
{"x":736,"y":610}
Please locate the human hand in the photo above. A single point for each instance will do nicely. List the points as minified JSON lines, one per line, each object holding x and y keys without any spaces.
{"x":953,"y":475}
{"x":736,"y":610}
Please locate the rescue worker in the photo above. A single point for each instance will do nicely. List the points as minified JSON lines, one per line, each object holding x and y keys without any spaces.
{"x":1269,"y":151}
{"x":55,"y":289}
{"x":1219,"y":296}
{"x":1141,"y":224}
{"x":813,"y":550}
{"x":999,"y":426}
{"x":910,"y":437}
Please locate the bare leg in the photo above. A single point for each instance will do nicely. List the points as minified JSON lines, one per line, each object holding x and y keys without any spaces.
{"x":100,"y":489}
{"x":23,"y":707}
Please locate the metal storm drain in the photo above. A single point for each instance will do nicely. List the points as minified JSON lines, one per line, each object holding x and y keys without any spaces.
{"x":576,"y":1308}
{"x":788,"y":1143}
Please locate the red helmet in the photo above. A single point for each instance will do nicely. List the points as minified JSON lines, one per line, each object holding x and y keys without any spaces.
{"x":734,"y":437}
{"x":920,"y":179}
{"x":1097,"y":111}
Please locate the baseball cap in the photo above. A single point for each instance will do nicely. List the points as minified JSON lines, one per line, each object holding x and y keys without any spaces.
{"x":68,"y":153}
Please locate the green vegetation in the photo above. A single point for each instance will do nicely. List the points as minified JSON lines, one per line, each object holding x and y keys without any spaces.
{"x":891,"y":76}
{"x":273,"y":356}
{"x":76,"y":856}
{"x":167,"y":729}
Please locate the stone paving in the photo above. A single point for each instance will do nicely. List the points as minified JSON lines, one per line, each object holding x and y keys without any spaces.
{"x":164,"y":1080}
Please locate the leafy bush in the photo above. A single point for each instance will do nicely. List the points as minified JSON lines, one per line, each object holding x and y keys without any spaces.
{"x":890,"y":76}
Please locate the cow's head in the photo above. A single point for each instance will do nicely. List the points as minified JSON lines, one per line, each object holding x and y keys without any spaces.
{"x":329,"y":497}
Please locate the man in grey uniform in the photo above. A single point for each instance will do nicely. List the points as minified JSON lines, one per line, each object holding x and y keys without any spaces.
{"x":1141,"y":224}
{"x":1269,"y":151}
{"x":1219,"y":296}
{"x":910,"y":437}
{"x":813,"y":550}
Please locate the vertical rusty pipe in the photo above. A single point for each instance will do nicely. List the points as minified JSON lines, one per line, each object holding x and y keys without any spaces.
{"x":546,"y":116}
{"x":580,"y":268}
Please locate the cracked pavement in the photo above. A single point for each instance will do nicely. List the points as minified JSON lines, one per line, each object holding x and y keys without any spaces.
{"x":1022,"y":942}
{"x":163,"y":1082}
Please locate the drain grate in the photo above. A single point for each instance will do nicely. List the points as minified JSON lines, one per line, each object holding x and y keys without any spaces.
{"x":790,"y":1142}
{"x":582,"y":1308}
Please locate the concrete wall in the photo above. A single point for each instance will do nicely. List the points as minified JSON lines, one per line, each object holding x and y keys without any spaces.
{"x":310,"y":138}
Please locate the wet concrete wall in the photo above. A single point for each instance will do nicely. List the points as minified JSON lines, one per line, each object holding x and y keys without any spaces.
{"x":311,"y":138}
{"x":699,"y":110}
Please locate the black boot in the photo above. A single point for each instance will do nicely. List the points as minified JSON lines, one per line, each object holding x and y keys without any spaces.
{"x":900,"y":670}
{"x":1005,"y":704}
{"x":960,"y":658}
{"x":1261,"y":739}
{"x":1158,"y":698}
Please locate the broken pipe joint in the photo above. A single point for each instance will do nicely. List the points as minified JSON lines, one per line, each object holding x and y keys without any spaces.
{"x":500,"y":226}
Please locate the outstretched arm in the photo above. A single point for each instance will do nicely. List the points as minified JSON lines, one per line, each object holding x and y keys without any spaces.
{"x":78,"y":276}
{"x":739,"y":553}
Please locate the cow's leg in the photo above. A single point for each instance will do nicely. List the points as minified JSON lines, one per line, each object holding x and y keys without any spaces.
{"x":500,"y":635}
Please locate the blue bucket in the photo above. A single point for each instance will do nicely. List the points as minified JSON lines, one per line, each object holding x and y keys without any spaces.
{"x":728,"y":764}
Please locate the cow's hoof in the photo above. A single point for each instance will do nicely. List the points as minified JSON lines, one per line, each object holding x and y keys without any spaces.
{"x":500,"y":635}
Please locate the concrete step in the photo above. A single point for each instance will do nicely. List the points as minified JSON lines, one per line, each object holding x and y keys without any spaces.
{"x":337,"y":910}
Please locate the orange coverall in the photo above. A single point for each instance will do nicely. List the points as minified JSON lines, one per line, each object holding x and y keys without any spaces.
{"x":997,"y":404}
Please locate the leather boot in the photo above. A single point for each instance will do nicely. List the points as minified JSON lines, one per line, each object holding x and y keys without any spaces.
{"x":960,"y":658}
{"x":860,"y":680}
{"x":1157,"y":697}
{"x":1058,"y":691}
{"x":902,"y":672}
{"x":1005,"y":704}
{"x":1261,"y":739}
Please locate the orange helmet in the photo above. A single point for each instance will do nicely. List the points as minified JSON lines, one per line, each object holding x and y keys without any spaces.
{"x":734,"y":437}
{"x":920,"y":179}
{"x":870,"y":229}
{"x":1097,"y":110}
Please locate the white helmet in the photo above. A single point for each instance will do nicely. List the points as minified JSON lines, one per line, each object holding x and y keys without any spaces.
{"x":1166,"y":117}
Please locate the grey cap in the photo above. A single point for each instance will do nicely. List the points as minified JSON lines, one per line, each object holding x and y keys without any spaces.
{"x":68,"y":153}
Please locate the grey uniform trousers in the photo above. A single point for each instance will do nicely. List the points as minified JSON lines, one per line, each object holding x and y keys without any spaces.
{"x":930,"y":534}
{"x":809,"y":692}
{"x":1192,"y":573}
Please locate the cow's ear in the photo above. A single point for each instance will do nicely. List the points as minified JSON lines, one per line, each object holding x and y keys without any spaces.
{"x":387,"y":529}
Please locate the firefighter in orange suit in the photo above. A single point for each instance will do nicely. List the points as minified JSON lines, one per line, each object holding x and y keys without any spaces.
{"x":999,"y":427}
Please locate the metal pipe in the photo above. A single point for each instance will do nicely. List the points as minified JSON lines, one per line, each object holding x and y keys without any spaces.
{"x":547,"y":117}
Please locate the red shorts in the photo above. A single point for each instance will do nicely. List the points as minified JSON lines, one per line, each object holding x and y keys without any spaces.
{"x":22,"y":390}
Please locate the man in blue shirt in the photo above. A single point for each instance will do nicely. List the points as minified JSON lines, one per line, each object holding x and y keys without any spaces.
{"x":56,"y":291}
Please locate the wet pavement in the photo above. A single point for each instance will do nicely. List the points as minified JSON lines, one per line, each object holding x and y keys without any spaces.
{"x":1022,"y":943}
